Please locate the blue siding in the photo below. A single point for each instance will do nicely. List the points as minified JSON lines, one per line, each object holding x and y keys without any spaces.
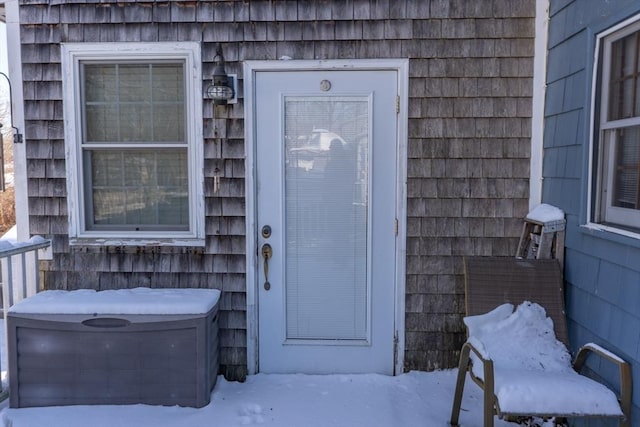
{"x":567,"y":58}
{"x":602,"y":270}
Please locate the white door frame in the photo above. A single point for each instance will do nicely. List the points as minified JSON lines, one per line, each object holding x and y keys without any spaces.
{"x":250,"y":69}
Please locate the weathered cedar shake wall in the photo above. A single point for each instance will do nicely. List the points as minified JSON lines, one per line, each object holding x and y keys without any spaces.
{"x":469,"y":140}
{"x":601,"y":269}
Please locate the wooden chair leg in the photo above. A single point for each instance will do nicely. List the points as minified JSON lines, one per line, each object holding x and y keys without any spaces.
{"x":462,"y":374}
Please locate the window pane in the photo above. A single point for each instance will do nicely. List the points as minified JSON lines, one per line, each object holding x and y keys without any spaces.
{"x":135,"y":123}
{"x":168,"y":83}
{"x":173,"y":171}
{"x":168,"y":122}
{"x":108,"y":206}
{"x":140,"y":209}
{"x":108,"y":169}
{"x":135,"y":83}
{"x":174,"y":208}
{"x":140,"y":169}
{"x":100,"y":83}
{"x":623,"y":100}
{"x":101,"y":123}
{"x":326,"y":185}
{"x":131,"y":188}
{"x":627,"y":168}
{"x":134,"y":102}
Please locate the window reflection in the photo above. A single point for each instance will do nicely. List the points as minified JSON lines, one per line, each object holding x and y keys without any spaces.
{"x":326,"y":190}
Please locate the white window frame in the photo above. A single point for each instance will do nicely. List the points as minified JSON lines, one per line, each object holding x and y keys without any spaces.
{"x":72,"y":56}
{"x":601,"y":214}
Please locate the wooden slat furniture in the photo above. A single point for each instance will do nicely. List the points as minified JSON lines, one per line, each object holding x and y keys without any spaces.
{"x":542,"y":240}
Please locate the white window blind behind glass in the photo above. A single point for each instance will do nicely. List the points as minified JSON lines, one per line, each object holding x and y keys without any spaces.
{"x":627,"y":169}
{"x":134,"y":146}
{"x":624,"y":103}
{"x":326,"y":205}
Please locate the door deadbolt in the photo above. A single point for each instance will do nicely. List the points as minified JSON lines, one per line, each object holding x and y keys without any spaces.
{"x":266,"y":231}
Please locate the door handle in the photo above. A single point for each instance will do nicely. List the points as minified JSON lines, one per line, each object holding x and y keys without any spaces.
{"x":267,"y":252}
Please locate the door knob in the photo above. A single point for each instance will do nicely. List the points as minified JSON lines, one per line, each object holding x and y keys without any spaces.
{"x":267,"y":252}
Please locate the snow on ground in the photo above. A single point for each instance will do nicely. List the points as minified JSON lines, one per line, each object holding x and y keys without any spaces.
{"x":414,"y":399}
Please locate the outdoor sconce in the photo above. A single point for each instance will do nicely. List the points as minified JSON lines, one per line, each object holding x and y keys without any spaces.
{"x":17,"y":136}
{"x":224,"y":86}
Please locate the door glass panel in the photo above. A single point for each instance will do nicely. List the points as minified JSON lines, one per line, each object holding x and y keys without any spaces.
{"x":326,"y":215}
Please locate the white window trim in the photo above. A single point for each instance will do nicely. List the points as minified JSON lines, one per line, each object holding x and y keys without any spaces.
{"x":597,"y":141}
{"x":72,"y":55}
{"x":538,"y":102}
{"x":19,"y":153}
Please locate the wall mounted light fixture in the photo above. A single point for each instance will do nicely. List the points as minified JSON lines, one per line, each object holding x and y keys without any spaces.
{"x":224,"y":86}
{"x":17,"y":136}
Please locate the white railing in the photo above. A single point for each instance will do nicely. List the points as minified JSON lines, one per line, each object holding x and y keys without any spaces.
{"x":19,"y":264}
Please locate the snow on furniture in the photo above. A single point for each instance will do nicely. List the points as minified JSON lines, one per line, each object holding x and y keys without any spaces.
{"x":150,"y":346}
{"x":545,"y":213}
{"x":519,"y":358}
{"x":532,"y":370}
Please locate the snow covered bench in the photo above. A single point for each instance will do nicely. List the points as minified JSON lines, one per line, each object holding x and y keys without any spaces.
{"x":151,"y":346}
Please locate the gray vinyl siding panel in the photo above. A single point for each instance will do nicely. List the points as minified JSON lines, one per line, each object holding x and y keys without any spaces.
{"x":470,"y":89}
{"x":602,"y":270}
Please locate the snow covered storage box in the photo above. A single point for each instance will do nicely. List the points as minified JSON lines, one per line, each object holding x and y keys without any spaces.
{"x":151,"y":346}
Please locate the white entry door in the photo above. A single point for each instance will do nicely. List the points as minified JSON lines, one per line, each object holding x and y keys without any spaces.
{"x":326,"y":145}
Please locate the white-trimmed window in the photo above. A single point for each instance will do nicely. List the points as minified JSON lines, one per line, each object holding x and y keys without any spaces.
{"x":617,"y":155}
{"x":133,"y":132}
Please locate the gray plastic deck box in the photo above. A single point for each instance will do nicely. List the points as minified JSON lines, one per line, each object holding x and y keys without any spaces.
{"x":104,"y":353}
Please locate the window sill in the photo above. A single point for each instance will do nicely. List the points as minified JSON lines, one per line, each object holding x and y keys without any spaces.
{"x":617,"y":234}
{"x":140,"y":242}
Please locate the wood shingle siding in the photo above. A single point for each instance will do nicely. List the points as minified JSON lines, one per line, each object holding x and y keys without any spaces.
{"x":469,"y":138}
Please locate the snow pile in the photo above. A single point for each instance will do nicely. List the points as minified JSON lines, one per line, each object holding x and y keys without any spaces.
{"x":10,"y":234}
{"x":546,"y":213}
{"x":518,"y":340}
{"x":532,"y":369}
{"x":415,"y":399}
{"x":120,"y":301}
